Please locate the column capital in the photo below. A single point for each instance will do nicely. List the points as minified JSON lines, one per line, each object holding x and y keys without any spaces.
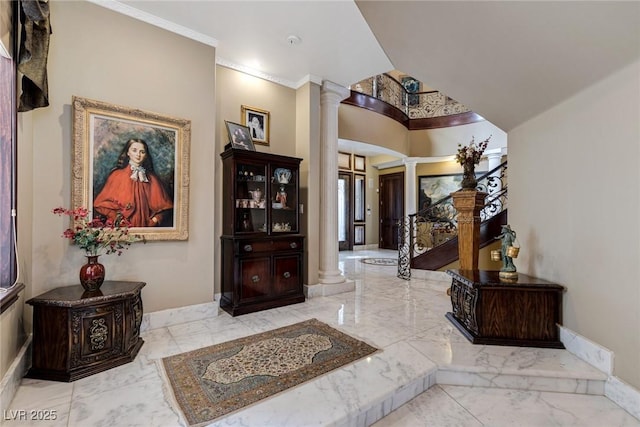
{"x":330,"y":88}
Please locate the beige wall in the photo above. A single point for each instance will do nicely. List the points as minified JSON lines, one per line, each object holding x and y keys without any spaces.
{"x":574,"y":193}
{"x":102,"y":55}
{"x":444,"y":141}
{"x":362,"y":125}
{"x":234,"y":89}
{"x":308,"y":148}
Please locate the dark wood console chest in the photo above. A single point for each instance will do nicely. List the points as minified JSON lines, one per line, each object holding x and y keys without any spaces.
{"x":490,"y":310}
{"x":77,"y":334}
{"x":262,"y":248}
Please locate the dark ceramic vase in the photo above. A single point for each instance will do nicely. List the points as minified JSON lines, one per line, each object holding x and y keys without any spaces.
{"x":92,"y":274}
{"x":469,"y":181}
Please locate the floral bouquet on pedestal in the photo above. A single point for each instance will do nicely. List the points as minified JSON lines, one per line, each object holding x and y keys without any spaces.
{"x":468,"y":156}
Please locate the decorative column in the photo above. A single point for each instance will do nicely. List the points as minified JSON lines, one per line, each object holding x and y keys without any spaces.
{"x":329,"y":274}
{"x":407,"y":227}
{"x":468,"y":203}
{"x":410,"y":186}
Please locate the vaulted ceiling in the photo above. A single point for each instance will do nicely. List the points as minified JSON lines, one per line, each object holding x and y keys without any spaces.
{"x":508,"y":61}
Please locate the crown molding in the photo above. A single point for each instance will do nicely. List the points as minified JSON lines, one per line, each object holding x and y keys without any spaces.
{"x":309,"y":78}
{"x":140,"y":15}
{"x":256,"y":73}
{"x":277,"y":80}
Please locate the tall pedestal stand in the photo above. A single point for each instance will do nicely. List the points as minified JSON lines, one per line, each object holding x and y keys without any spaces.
{"x":468,"y":203}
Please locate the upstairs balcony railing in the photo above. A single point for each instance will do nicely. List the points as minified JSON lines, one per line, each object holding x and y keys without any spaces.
{"x":415,"y":105}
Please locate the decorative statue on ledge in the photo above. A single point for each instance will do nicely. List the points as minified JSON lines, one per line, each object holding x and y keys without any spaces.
{"x":508,"y":252}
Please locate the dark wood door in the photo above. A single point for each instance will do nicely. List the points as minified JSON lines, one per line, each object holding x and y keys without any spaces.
{"x":287,"y":274}
{"x":256,"y":278}
{"x":391,"y":208}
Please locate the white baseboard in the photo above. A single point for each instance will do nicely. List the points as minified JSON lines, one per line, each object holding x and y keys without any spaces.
{"x":623,"y":394}
{"x":13,"y":377}
{"x":325,"y":290}
{"x":430,"y":275}
{"x":592,"y":353}
{"x":369,"y":247}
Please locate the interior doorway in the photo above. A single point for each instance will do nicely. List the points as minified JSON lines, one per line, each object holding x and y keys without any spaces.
{"x":391,"y":208}
{"x":345,"y":219}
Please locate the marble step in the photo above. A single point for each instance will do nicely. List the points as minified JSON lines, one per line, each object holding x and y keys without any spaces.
{"x":522,"y":368}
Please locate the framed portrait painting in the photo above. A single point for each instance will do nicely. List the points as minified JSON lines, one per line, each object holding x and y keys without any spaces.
{"x":239,"y":136}
{"x":258,"y":122}
{"x":133,"y":163}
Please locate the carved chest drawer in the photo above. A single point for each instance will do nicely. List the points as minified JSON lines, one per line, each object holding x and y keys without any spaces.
{"x":77,"y":333}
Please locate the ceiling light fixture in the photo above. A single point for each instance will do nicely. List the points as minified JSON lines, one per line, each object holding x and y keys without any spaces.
{"x":293,"y":40}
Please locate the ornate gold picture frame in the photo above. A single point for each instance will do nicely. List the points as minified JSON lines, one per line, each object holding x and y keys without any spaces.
{"x":151,"y":190}
{"x":258,"y":122}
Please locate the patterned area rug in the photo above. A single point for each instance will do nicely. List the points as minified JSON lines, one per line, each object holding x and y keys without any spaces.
{"x":213,"y":381}
{"x":380,"y":261}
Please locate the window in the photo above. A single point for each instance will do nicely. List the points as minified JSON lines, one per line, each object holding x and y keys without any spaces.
{"x":359,"y":196}
{"x":8,"y":269}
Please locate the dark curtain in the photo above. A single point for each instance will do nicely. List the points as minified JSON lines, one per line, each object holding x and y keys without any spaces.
{"x":32,"y":57}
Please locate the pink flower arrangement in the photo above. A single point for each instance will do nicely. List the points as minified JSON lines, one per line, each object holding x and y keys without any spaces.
{"x":94,"y":235}
{"x":472,"y":152}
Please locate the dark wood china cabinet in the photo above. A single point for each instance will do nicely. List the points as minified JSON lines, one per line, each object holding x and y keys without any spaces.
{"x":262,"y":248}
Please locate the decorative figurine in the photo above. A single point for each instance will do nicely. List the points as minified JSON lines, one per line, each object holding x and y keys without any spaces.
{"x":508,"y":252}
{"x":281,"y":197}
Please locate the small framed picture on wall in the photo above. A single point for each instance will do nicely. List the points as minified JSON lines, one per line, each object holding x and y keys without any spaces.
{"x":344,"y":161}
{"x":258,"y":122}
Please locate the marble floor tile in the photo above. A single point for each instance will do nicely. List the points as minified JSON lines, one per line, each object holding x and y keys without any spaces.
{"x":38,"y":403}
{"x":395,"y":386}
{"x":501,"y":407}
{"x":140,"y":404}
{"x":433,"y":408}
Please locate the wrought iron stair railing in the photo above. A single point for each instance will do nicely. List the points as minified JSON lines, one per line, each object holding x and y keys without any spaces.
{"x":436,"y":224}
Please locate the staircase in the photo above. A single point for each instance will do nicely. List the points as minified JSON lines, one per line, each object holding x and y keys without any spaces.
{"x":428,"y":239}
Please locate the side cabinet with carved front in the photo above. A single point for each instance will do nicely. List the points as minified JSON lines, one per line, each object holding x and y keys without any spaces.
{"x":489,"y":310}
{"x":77,"y":334}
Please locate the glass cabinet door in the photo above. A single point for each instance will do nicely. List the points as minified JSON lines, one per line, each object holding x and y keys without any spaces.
{"x":284,"y":199}
{"x":250,"y":198}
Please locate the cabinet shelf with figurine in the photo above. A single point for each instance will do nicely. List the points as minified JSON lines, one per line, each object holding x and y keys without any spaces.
{"x":262,"y":248}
